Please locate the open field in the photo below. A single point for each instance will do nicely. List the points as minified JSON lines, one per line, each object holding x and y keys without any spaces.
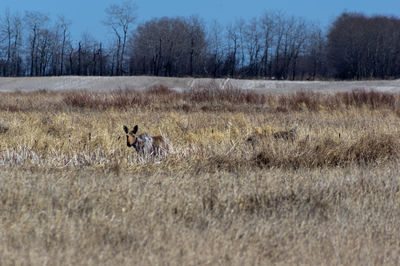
{"x":107,"y":84}
{"x":232,"y":192}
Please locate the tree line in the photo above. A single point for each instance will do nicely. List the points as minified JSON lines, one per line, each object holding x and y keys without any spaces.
{"x":271,"y":46}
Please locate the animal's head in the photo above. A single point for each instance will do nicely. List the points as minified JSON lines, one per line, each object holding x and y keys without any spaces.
{"x":131,"y":137}
{"x":142,"y":143}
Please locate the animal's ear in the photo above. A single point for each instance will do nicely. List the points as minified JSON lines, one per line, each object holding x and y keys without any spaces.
{"x":135,"y":129}
{"x":126,"y":129}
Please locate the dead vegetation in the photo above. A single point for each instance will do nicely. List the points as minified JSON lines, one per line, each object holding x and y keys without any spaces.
{"x":241,"y":186}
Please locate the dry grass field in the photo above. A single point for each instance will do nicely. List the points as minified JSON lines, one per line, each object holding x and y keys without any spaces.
{"x":232,"y":191}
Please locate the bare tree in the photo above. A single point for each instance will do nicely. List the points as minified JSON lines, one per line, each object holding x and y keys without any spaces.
{"x":232,"y":50}
{"x":63,"y":27}
{"x":287,"y":43}
{"x":6,"y":32}
{"x":297,"y":45}
{"x":240,"y":25}
{"x":35,"y":22}
{"x":253,"y":46}
{"x":10,"y":41}
{"x":315,"y":56}
{"x":44,"y":49}
{"x":197,"y":44}
{"x":267,"y":26}
{"x":168,"y":47}
{"x":119,"y":19}
{"x":216,"y":48}
{"x":357,"y":46}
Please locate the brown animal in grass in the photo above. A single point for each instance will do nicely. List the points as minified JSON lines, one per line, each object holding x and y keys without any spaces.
{"x":286,"y":134}
{"x":146,"y":145}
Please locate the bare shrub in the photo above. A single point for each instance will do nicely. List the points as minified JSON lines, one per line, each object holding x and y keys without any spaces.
{"x":159,"y":90}
{"x":212,"y":97}
{"x":121,"y":99}
{"x":371,"y":99}
{"x":212,"y":92}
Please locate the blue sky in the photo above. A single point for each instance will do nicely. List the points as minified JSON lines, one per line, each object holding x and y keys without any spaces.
{"x":86,"y":15}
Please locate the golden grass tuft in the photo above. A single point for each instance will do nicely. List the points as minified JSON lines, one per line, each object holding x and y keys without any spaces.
{"x":328,"y":152}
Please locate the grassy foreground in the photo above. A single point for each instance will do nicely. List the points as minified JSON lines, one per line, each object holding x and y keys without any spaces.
{"x":71,"y":192}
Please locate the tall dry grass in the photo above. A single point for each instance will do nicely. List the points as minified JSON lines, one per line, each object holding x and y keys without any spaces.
{"x":230,"y":193}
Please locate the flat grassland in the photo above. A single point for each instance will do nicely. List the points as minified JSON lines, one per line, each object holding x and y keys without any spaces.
{"x":231,"y":192}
